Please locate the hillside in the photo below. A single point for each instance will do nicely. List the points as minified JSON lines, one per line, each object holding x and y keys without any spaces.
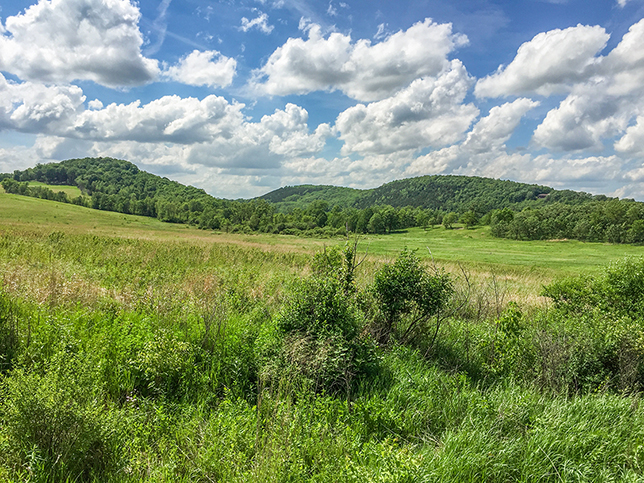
{"x":115,"y":185}
{"x":437,"y":192}
{"x":287,"y":198}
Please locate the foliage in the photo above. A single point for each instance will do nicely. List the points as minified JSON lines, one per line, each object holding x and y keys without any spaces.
{"x":319,"y":332}
{"x":136,"y":357}
{"x":613,"y":221}
{"x":56,"y":421}
{"x":405,"y":288}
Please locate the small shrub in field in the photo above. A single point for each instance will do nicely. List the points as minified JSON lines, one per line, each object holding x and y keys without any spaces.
{"x":405,"y":288}
{"x":599,"y":323}
{"x":318,"y":336}
{"x":57,"y":424}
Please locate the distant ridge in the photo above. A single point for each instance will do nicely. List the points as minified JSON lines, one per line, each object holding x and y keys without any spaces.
{"x":436,"y":192}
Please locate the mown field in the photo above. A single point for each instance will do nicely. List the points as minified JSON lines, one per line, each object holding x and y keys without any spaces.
{"x":132,"y":350}
{"x":71,"y":191}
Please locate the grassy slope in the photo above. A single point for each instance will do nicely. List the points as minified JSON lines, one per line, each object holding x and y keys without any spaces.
{"x":475,"y":248}
{"x":71,"y":191}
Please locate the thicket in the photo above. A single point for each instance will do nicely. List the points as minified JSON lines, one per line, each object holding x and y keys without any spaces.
{"x":132,"y":360}
{"x":613,"y":221}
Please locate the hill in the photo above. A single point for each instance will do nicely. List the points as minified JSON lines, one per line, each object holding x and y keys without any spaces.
{"x":288,"y":198}
{"x":514,"y":210}
{"x":436,"y":192}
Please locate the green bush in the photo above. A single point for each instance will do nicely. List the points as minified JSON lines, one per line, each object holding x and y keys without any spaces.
{"x":597,"y":328}
{"x":405,"y":288}
{"x":318,"y":336}
{"x":58,"y":425}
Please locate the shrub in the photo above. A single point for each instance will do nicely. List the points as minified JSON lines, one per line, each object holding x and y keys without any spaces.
{"x":318,"y":337}
{"x":599,"y":328}
{"x":57,"y":423}
{"x":405,"y":288}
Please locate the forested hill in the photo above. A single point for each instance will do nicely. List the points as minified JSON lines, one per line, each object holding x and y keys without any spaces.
{"x":289,"y":197}
{"x":439,"y":192}
{"x":513,"y":210}
{"x":116,"y":185}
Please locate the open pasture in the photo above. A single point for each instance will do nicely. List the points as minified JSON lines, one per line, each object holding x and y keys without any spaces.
{"x":162,"y":346}
{"x":475,"y":249}
{"x":69,"y":190}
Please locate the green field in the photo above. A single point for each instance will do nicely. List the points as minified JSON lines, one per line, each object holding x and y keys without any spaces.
{"x":475,"y":248}
{"x":138,"y":351}
{"x":71,"y":191}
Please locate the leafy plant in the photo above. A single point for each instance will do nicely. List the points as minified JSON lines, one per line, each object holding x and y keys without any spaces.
{"x":405,"y":288}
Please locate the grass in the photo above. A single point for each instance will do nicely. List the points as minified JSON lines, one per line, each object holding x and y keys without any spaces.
{"x":71,"y":191}
{"x":132,"y":350}
{"x":476,"y":248}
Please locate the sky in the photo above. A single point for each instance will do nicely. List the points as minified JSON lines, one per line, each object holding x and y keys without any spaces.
{"x":241,"y":97}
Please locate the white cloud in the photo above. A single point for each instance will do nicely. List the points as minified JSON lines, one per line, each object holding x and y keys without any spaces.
{"x":167,"y":119}
{"x":603,"y":106}
{"x":35,"y":108}
{"x":380,"y":34}
{"x":361,"y":70}
{"x":216,"y":131}
{"x":580,"y":122}
{"x":428,"y":113}
{"x":632,"y":143}
{"x":483,"y":151}
{"x":65,"y":40}
{"x":492,"y":132}
{"x":199,"y":69}
{"x":260,"y":23}
{"x":263,"y":144}
{"x":552,"y":62}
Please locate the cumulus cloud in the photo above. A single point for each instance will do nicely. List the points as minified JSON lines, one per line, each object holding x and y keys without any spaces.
{"x":263,"y":144}
{"x":632,"y":143}
{"x":64,"y":40}
{"x":207,"y":68}
{"x":36,"y":108}
{"x":362,"y":70}
{"x":483,"y":151}
{"x":552,"y":62}
{"x":167,"y":119}
{"x":95,"y":104}
{"x":214,"y":131}
{"x":603,"y":106}
{"x":428,"y":113}
{"x":260,"y":23}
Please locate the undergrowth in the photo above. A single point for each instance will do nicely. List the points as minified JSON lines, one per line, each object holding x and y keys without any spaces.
{"x":131,"y":360}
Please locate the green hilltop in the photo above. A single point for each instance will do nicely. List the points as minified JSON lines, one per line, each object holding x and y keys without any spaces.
{"x":513,"y":210}
{"x":436,"y":192}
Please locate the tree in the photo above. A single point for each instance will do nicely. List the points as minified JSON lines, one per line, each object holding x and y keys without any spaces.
{"x":449,"y":219}
{"x":376,"y":224}
{"x":469,"y":219}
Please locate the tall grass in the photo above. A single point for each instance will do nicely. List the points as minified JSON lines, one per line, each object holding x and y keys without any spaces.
{"x":140,"y":360}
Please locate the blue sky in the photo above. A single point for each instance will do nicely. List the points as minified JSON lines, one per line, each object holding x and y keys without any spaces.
{"x":242,"y":97}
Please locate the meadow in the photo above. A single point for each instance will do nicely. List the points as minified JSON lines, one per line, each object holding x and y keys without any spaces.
{"x":135,"y":350}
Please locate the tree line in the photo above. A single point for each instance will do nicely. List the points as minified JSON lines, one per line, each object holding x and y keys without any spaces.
{"x":513,"y":210}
